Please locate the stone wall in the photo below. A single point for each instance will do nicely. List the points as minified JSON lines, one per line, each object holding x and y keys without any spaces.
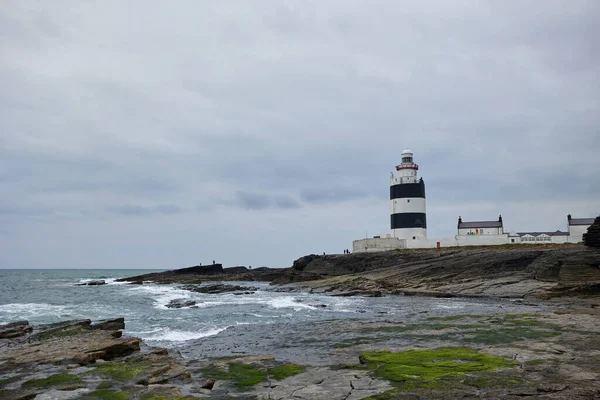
{"x":377,"y":244}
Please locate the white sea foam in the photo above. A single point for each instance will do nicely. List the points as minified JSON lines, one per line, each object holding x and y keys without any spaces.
{"x":28,"y":310}
{"x":140,"y":333}
{"x":108,"y":281}
{"x":113,"y":281}
{"x":260,"y":316}
{"x":450,"y":306}
{"x":288,"y":302}
{"x":173,"y":335}
{"x":162,"y":295}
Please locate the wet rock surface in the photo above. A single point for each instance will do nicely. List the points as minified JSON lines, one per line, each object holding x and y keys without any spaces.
{"x":15,"y":329}
{"x":219,"y":288}
{"x":81,"y":360}
{"x":547,"y":356}
{"x":181,"y":303}
{"x":109,"y":324}
{"x":198,"y":274}
{"x":92,"y":283}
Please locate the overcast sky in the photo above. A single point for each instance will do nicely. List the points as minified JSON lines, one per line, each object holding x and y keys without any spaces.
{"x":152,"y":134}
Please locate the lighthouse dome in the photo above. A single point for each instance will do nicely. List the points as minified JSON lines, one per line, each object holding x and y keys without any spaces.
{"x":407,"y":151}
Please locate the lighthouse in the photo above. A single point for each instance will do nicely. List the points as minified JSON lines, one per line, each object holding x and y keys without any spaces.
{"x":407,"y":197}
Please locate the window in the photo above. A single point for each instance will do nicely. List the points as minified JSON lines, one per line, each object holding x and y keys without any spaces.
{"x":512,"y":240}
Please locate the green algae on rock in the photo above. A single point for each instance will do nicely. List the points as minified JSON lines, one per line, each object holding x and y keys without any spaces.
{"x":120,"y":370}
{"x":435,"y":369}
{"x":10,"y":380}
{"x":247,"y":375}
{"x":507,"y":335}
{"x":283,"y":371}
{"x":53,"y":380}
{"x":104,"y":385}
{"x":431,"y":364}
{"x":60,"y":332}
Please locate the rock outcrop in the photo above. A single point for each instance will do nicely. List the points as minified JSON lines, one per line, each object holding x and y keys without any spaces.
{"x":492,"y":272}
{"x":109,"y":324}
{"x":592,"y":237}
{"x":15,"y":329}
{"x":72,"y":342}
{"x":181,"y":303}
{"x":92,"y":283}
{"x":198,"y":274}
{"x":78,"y":359}
{"x":201,"y":270}
{"x":219,"y":288}
{"x":514,"y":271}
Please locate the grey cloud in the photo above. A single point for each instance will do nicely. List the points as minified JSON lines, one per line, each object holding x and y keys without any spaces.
{"x":331,"y":195}
{"x":261,"y":201}
{"x":169,"y":209}
{"x":20,"y":211}
{"x":129,"y":210}
{"x":283,"y":107}
{"x":286,"y":202}
{"x":53,"y":173}
{"x":252,"y":201}
{"x":136,"y":210}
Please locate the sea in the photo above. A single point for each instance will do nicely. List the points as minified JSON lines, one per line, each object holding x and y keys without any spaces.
{"x":294,"y":326}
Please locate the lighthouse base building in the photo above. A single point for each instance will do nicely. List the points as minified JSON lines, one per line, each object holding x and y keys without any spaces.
{"x":408,"y":222}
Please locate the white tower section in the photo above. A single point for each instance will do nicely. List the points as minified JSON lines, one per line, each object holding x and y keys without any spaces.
{"x":407,"y":197}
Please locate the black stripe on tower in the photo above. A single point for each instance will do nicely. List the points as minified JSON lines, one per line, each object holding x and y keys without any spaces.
{"x":409,"y":220}
{"x":404,"y":190}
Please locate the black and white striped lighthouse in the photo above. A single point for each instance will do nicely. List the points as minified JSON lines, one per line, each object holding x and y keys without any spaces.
{"x":407,"y":196}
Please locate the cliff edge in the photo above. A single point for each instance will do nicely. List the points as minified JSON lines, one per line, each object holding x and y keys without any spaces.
{"x":497,"y":272}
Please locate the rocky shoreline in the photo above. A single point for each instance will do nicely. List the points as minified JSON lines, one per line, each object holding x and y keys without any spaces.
{"x":538,"y":271}
{"x":507,"y":356}
{"x":551,"y":354}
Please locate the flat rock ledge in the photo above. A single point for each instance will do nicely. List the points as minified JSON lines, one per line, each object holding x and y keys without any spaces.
{"x":544,"y":356}
{"x":83,"y":360}
{"x":15,"y":329}
{"x":220,"y":288}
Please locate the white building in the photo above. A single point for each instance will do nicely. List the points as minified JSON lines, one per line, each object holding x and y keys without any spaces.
{"x":408,"y":221}
{"x":481,"y":227}
{"x":541,"y":237}
{"x":577,"y":227}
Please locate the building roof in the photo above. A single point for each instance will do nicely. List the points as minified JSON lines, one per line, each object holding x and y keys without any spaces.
{"x":557,"y":233}
{"x":581,"y":221}
{"x":480,"y":224}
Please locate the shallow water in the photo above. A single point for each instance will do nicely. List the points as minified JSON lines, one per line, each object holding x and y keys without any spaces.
{"x":300,"y":327}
